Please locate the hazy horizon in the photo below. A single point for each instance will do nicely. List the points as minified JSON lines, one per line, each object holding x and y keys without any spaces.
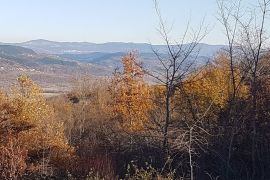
{"x":103,"y":21}
{"x":107,"y":21}
{"x":6,"y":42}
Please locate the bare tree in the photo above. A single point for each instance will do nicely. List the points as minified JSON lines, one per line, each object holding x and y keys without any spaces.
{"x":229,"y":13}
{"x":247,"y":38}
{"x":253,"y":39}
{"x":176,"y":64}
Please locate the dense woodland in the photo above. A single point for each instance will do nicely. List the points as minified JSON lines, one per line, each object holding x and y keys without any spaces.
{"x":183,"y":121}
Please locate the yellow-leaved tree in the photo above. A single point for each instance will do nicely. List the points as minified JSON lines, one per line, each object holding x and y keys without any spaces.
{"x":26,"y":117}
{"x":213,"y":85}
{"x":131,"y":95}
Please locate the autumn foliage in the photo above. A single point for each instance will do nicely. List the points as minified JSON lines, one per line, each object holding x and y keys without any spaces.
{"x":31,"y":138}
{"x":112,"y":128}
{"x":131,"y":95}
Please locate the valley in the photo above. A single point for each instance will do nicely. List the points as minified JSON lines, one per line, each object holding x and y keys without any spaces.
{"x":53,"y":65}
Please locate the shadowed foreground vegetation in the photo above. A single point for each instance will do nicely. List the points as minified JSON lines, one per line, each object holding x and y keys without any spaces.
{"x":114,"y":128}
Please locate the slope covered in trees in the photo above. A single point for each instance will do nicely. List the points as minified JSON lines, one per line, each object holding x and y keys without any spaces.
{"x":114,"y":128}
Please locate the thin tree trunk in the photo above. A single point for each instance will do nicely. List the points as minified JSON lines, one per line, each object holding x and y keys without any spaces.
{"x":190,"y":154}
{"x":167,"y":121}
{"x":229,"y":155}
{"x":254,"y":128}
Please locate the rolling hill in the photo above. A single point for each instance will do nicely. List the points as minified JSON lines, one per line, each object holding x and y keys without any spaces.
{"x":54,"y":64}
{"x":50,"y":71}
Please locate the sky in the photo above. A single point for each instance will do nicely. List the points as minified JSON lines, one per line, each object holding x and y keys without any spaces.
{"x":102,"y":21}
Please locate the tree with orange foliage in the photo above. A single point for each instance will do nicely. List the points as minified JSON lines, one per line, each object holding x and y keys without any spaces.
{"x":213,"y":84}
{"x":131,"y":95}
{"x":27,"y":120}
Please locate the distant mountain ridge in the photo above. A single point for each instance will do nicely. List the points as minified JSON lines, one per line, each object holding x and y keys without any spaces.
{"x":27,"y":57}
{"x":11,"y":50}
{"x":53,"y":47}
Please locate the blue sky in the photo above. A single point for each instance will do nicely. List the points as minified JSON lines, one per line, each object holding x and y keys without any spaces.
{"x":102,"y":20}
